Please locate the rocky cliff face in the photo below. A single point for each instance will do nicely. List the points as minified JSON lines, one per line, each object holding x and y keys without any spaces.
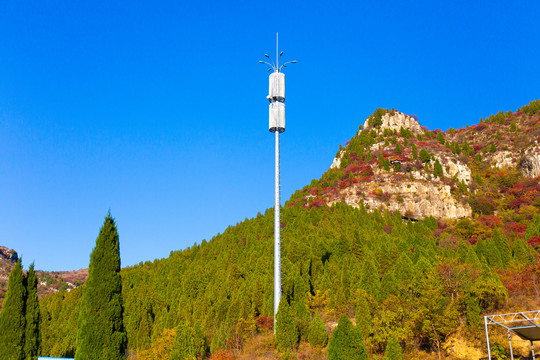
{"x":396,"y":120}
{"x":393,"y":163}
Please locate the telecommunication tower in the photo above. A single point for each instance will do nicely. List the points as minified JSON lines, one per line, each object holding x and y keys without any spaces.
{"x":276,"y":96}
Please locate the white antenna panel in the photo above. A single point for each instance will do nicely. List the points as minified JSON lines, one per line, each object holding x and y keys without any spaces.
{"x":276,"y":88}
{"x":277,"y":116}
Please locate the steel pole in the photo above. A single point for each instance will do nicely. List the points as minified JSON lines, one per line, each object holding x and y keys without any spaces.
{"x":277,"y":236}
{"x":510,"y":341}
{"x":487,"y":337}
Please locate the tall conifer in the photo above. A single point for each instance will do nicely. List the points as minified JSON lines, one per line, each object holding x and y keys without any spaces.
{"x":346,"y":342}
{"x":393,"y":349}
{"x":12,"y":319}
{"x":369,"y":280}
{"x":317,"y":335}
{"x":287,"y":334}
{"x":31,"y":341}
{"x":101,"y":334}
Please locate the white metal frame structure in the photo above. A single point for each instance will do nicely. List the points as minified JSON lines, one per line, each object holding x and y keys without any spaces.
{"x":276,"y":97}
{"x":525,"y":324}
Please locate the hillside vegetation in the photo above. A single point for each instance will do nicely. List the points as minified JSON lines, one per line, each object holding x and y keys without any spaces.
{"x":416,"y":284}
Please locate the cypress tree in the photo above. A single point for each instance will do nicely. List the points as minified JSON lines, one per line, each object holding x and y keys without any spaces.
{"x":388,"y":285}
{"x":362,"y":316}
{"x":31,"y":341}
{"x":317,"y":335}
{"x":12,"y":319}
{"x":101,"y":334}
{"x":472,"y":258}
{"x":393,"y":349}
{"x":474,"y":319}
{"x":502,"y":245}
{"x":188,"y":344}
{"x":287,"y":334}
{"x":346,"y":343}
{"x":369,"y":280}
{"x":299,"y":308}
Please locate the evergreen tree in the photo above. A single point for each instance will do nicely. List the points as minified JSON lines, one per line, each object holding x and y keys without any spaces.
{"x":287,"y":334}
{"x":188,"y":345}
{"x":437,"y":169}
{"x":472,"y":257}
{"x":317,"y":335}
{"x":474,"y":319}
{"x":31,"y":341}
{"x":388,"y":285}
{"x":299,"y":305}
{"x":522,"y":252}
{"x":393,"y":349}
{"x":101,"y":334}
{"x":369,"y":280}
{"x":414,"y":151}
{"x":362,"y":316}
{"x":398,"y":149}
{"x":425,"y":156}
{"x":346,"y":342}
{"x":502,"y":245}
{"x":12,"y":319}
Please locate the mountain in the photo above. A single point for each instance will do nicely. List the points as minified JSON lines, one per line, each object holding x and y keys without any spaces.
{"x":394,"y":163}
{"x":413,"y":234}
{"x":49,"y":282}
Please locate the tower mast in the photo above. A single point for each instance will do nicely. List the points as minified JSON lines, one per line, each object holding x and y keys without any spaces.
{"x":276,"y":96}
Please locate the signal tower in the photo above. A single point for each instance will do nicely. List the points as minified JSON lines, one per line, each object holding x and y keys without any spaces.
{"x":276,"y":96}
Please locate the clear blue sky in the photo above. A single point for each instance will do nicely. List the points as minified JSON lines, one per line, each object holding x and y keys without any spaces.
{"x":157,"y":111}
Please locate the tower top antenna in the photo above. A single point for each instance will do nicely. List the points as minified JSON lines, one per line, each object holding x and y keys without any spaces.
{"x":275,"y":65}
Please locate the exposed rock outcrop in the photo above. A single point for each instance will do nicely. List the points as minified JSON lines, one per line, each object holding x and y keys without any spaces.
{"x":397,"y":120}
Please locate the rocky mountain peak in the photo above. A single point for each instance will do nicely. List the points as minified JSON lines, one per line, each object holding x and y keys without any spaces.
{"x":8,"y":254}
{"x":393,"y":120}
{"x":393,"y":163}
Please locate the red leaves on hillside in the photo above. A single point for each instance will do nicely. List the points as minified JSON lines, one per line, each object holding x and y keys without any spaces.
{"x":515,"y":228}
{"x":518,"y":202}
{"x":479,"y":127}
{"x":490,"y":221}
{"x":534,"y":241}
{"x":264,"y":322}
{"x":523,"y":283}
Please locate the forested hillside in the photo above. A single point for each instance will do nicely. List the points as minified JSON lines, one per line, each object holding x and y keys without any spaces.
{"x":420,"y":282}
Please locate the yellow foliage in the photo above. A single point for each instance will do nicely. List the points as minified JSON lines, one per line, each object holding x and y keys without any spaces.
{"x":161,"y":347}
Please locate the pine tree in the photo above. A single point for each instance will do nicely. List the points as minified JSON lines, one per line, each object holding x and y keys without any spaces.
{"x":101,"y":334}
{"x":437,"y":169}
{"x":393,"y":349}
{"x":287,"y":334}
{"x":474,"y":319}
{"x":502,"y":245}
{"x":188,"y":345}
{"x":12,"y":319}
{"x":388,"y":285}
{"x":414,"y":151}
{"x":317,"y":335}
{"x":299,"y":305}
{"x":369,"y":280}
{"x":362,"y":316}
{"x":346,"y":343}
{"x":31,"y":341}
